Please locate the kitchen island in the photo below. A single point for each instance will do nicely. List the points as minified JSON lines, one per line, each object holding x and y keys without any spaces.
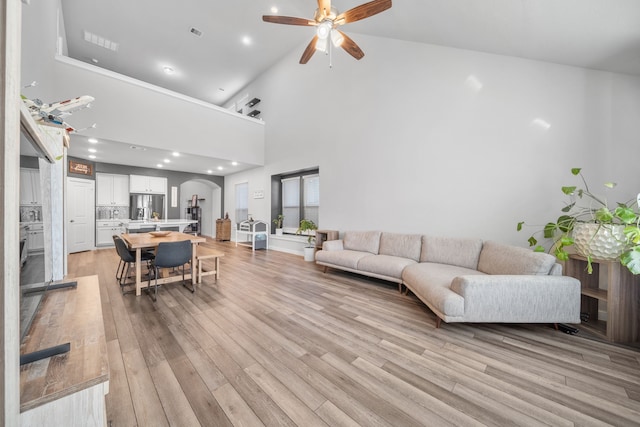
{"x":134,"y":226}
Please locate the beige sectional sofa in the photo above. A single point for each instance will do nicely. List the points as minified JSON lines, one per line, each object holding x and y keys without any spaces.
{"x":462,"y":280}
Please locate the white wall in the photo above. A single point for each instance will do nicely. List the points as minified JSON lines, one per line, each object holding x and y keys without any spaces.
{"x":406,"y":141}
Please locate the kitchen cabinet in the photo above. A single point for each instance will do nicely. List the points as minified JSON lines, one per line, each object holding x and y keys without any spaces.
{"x":147,"y":184}
{"x":112,"y":190}
{"x":35,"y":238}
{"x":30,"y":193}
{"x":106,"y":229}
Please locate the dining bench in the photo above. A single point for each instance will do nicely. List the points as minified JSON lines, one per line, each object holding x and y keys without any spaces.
{"x":205,"y":254}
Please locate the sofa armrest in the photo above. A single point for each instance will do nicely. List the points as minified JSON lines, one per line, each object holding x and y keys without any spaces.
{"x":519,"y":298}
{"x":332,"y":245}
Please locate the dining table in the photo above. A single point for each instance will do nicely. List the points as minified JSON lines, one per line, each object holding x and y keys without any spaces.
{"x":141,"y":241}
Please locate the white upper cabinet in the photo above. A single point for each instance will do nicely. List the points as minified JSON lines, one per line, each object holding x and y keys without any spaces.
{"x":112,"y":190}
{"x":147,"y":184}
{"x":30,"y":193}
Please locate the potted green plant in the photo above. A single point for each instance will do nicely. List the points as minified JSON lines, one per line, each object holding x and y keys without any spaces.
{"x":593,"y":229}
{"x":307,"y":226}
{"x":278,"y":223}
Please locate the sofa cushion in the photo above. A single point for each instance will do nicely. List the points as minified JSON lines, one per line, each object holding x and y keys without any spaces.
{"x":401,"y":245}
{"x":345,"y":258}
{"x":432,"y":282}
{"x":364,"y":241}
{"x":498,"y":258}
{"x":452,"y":251}
{"x":385,"y":265}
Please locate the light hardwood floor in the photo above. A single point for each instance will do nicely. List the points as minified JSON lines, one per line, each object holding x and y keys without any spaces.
{"x":275,"y":341}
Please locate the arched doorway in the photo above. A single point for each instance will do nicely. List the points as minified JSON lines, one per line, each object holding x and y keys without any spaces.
{"x":209,"y":199}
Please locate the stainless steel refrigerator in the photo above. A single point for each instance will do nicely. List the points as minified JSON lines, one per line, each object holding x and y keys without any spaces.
{"x":142,"y":206}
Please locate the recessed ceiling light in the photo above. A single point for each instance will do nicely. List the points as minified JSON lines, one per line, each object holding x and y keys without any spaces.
{"x":91,"y":156}
{"x":246,"y":40}
{"x":195,"y":31}
{"x":94,"y":60}
{"x":167,"y":161}
{"x":92,"y":140}
{"x":93,"y":150}
{"x":175,"y":154}
{"x":221,"y":89}
{"x":220,"y":168}
{"x":159,"y":165}
{"x":168,"y":70}
{"x":234,"y":163}
{"x":209,"y":171}
{"x":135,"y":147}
{"x":274,"y":9}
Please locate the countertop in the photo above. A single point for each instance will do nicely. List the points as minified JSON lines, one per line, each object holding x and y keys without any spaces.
{"x":135,"y":224}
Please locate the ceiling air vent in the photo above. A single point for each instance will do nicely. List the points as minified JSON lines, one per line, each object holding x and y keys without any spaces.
{"x":100,"y":41}
{"x":195,"y":31}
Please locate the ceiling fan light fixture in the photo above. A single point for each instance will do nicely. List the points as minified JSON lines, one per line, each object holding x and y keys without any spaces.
{"x":324,"y":30}
{"x":336,"y":38}
{"x":322,"y":45}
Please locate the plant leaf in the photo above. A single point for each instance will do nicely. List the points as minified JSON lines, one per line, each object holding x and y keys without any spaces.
{"x":626,"y":215}
{"x":610,"y":184}
{"x":539,"y":249}
{"x":520,"y":224}
{"x":604,"y":215}
{"x":569,"y":190}
{"x":631,"y":260}
{"x":568,"y":207}
{"x":565,"y":223}
{"x":575,"y":171}
{"x":532,"y":241}
{"x":550,"y":230}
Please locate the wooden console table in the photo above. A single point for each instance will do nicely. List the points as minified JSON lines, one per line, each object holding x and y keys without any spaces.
{"x":620,"y":292}
{"x":67,"y":389}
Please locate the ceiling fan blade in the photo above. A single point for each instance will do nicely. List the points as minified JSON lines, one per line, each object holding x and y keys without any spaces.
{"x":351,"y":47}
{"x":288,"y":20}
{"x":363,"y":11}
{"x":324,"y":6}
{"x":309,"y":51}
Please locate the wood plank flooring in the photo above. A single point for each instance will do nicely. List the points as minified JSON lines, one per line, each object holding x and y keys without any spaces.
{"x":277,"y":342}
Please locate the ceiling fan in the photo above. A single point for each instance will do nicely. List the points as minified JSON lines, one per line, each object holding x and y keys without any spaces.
{"x":327,"y":20}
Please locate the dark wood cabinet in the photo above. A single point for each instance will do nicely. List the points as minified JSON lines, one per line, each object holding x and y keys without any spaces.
{"x":611,"y":286}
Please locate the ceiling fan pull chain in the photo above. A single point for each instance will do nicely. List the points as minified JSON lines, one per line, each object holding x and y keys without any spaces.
{"x":330,"y":56}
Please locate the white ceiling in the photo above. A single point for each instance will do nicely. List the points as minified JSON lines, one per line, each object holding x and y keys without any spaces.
{"x":597,"y":34}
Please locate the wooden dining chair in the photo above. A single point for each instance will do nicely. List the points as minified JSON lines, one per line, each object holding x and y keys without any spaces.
{"x":170,"y":255}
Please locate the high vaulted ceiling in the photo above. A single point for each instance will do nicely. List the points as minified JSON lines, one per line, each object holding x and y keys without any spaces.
{"x":236,"y":46}
{"x":152,"y":34}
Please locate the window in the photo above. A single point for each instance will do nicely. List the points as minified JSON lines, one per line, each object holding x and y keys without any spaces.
{"x":242,"y":202}
{"x":300,"y":199}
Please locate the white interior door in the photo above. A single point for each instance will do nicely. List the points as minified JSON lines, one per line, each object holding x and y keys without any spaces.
{"x":81,"y":214}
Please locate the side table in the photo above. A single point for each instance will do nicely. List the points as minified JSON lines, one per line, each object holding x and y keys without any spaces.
{"x":324,"y":235}
{"x":621,"y":293}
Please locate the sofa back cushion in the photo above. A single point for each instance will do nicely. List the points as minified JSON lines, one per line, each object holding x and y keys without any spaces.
{"x":452,"y":251}
{"x":363,"y":241}
{"x":401,"y":245}
{"x":497,"y":258}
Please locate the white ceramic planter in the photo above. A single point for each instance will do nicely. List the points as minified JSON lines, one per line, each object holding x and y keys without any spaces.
{"x":601,"y":241}
{"x":278,"y":231}
{"x":309,"y":254}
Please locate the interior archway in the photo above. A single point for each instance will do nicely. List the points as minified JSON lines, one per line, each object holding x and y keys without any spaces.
{"x":209,"y":200}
